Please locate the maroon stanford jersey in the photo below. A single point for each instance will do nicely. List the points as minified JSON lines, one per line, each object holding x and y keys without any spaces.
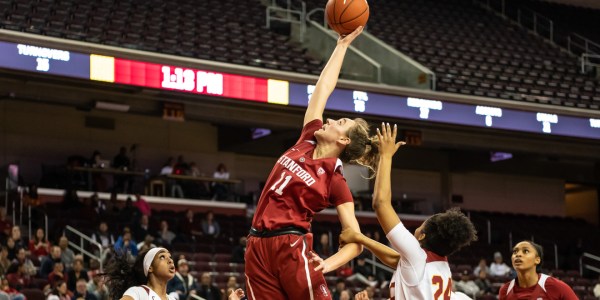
{"x":300,"y":186}
{"x":548,"y":288}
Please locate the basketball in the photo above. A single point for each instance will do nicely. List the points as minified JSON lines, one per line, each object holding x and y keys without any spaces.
{"x":343,"y":16}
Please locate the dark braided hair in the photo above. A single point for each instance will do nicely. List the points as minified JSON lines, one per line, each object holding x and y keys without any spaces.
{"x":121,"y":274}
{"x":447,"y":232}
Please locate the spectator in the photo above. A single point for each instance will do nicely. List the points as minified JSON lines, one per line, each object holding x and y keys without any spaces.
{"x":346,"y":295}
{"x":323,"y":248}
{"x":124,"y":244}
{"x":94,"y":268}
{"x":21,"y":258}
{"x":210,"y":227}
{"x":15,"y":234}
{"x":129,"y":213}
{"x":232,"y":283}
{"x":188,"y":227}
{"x":363,"y":273}
{"x":237,"y":254}
{"x":498,"y":268}
{"x":18,"y":279}
{"x":482,"y":266}
{"x":220,"y":190}
{"x":184,"y":284}
{"x":121,"y":162}
{"x":59,"y":292}
{"x":66,"y":255}
{"x":81,"y":292}
{"x":12,"y":293}
{"x":147,"y":244}
{"x":340,"y":285}
{"x":4,"y":261}
{"x":98,"y":181}
{"x":98,"y":205}
{"x":39,"y":245}
{"x":97,"y":287}
{"x":165,"y":236}
{"x":207,"y":289}
{"x":57,"y":274}
{"x":467,"y":286}
{"x":5,"y":224}
{"x":484,"y":284}
{"x":597,"y":289}
{"x":198,"y":188}
{"x":75,"y":274}
{"x":142,"y":205}
{"x":103,"y":237}
{"x":168,"y":167}
{"x":11,"y":248}
{"x":141,"y":230}
{"x":48,"y":262}
{"x":181,"y":167}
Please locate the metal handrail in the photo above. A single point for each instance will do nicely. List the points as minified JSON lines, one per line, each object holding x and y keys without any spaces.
{"x":289,"y":11}
{"x":586,"y":45}
{"x":312,"y":12}
{"x":80,"y":248}
{"x":379,"y":265}
{"x":585,"y":61}
{"x":586,"y":266}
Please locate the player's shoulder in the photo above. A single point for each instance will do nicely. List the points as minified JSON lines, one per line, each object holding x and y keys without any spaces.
{"x":504,"y":290}
{"x":136,"y":292}
{"x":556,"y":286}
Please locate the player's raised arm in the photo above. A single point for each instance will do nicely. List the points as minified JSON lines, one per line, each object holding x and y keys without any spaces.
{"x":382,"y":196}
{"x":328,"y":78}
{"x":384,"y":253}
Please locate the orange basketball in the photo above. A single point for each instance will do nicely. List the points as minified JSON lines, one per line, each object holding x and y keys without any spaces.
{"x":344,"y":16}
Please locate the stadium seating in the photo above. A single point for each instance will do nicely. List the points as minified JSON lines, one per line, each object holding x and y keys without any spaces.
{"x":225,"y":31}
{"x":474,"y":52}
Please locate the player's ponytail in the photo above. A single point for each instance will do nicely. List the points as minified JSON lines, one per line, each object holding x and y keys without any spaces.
{"x":122,"y":274}
{"x":362,"y":150}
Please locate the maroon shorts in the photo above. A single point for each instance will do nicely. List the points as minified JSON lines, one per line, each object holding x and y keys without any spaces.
{"x":278,"y":268}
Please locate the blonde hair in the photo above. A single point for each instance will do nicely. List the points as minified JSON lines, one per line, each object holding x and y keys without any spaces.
{"x":363,"y":150}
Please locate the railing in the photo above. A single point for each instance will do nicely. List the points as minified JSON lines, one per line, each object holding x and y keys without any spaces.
{"x":583,"y":266}
{"x":291,"y":15}
{"x":589,"y":61}
{"x":81,"y":249}
{"x":526,"y":18}
{"x":314,"y":11}
{"x":578,"y":44}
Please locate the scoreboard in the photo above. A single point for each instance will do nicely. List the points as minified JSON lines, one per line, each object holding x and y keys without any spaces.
{"x":116,"y":70}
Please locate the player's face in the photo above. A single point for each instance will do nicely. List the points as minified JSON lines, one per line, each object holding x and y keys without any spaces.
{"x":163,"y":266}
{"x":524,"y":256}
{"x":335,"y":130}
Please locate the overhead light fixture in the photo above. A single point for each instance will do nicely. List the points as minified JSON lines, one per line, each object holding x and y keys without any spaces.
{"x":112,"y":106}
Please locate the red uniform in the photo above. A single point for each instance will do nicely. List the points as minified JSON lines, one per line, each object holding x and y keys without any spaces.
{"x":298,"y":187}
{"x":547,"y":288}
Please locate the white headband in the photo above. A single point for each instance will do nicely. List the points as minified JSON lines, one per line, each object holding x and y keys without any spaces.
{"x":150,"y":257}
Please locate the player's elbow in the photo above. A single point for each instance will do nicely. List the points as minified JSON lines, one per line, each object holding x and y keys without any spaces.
{"x":380,"y":201}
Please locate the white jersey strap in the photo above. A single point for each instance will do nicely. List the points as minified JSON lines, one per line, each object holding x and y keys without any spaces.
{"x":510,"y":286}
{"x":311,"y":141}
{"x":542,"y":281}
{"x":339,"y":164}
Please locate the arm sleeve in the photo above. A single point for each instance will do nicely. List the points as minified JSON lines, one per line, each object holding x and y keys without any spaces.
{"x":308,"y":132}
{"x":412,"y":257}
{"x":339,"y":192}
{"x":134,"y":292}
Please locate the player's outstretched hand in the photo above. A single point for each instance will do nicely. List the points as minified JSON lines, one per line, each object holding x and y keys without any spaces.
{"x":347,"y":39}
{"x":318,"y":263}
{"x":237,"y":295}
{"x":348,"y":235}
{"x":362,"y":296}
{"x":387,"y":140}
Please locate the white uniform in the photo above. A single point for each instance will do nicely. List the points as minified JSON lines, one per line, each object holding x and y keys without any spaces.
{"x":420,"y":274}
{"x":144,"y":292}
